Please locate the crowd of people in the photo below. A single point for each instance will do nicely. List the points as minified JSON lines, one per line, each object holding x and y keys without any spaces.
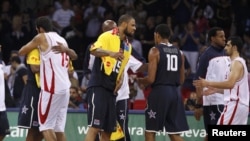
{"x":124,"y":50}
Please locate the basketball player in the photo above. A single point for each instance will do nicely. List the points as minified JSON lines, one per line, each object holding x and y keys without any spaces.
{"x":165,"y":74}
{"x":55,"y":84}
{"x":111,"y":52}
{"x":4,"y":123}
{"x":235,"y":88}
{"x":27,"y":117}
{"x":208,"y":67}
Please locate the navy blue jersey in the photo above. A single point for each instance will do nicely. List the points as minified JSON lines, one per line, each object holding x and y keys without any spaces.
{"x":168,"y":68}
{"x":210,"y":53}
{"x":31,"y":76}
{"x":99,"y":78}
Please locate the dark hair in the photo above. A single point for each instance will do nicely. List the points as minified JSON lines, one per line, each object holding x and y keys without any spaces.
{"x":213,"y":32}
{"x":74,"y":87}
{"x":237,"y":41}
{"x":15,"y":59}
{"x":124,"y":18}
{"x":45,"y":23}
{"x":163,"y":30}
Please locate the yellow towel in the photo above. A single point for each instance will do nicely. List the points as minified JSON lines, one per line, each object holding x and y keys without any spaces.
{"x":33,"y":58}
{"x":118,"y":134}
{"x":111,"y":41}
{"x":126,"y":52}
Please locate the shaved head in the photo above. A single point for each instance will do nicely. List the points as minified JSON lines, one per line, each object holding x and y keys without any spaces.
{"x":108,"y":25}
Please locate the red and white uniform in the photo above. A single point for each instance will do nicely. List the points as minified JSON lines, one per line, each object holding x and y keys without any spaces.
{"x":236,"y":101}
{"x":2,"y":89}
{"x":55,"y":84}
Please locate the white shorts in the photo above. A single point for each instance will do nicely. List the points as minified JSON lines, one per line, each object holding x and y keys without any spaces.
{"x":234,"y":113}
{"x":52,"y":111}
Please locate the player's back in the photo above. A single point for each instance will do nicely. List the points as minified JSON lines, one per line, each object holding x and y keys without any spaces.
{"x":54,"y":66}
{"x":168,"y":68}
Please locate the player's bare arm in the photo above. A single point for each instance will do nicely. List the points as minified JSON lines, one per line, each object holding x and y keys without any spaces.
{"x":236,"y":74}
{"x":101,"y":53}
{"x":143,"y":68}
{"x":153,"y":58}
{"x":211,"y":90}
{"x":34,"y":43}
{"x":61,"y":48}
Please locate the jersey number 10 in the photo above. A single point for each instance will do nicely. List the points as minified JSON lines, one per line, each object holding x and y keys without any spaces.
{"x":172,"y":61}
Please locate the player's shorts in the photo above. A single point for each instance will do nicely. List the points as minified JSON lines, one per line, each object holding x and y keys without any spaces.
{"x":28,"y":116}
{"x":4,"y":124}
{"x":165,"y":109}
{"x":122,"y":116}
{"x":234,"y":113}
{"x":211,"y":115}
{"x":101,"y":109}
{"x":52,"y":111}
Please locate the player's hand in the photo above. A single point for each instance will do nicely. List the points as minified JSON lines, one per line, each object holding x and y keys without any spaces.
{"x":117,"y":55}
{"x":118,"y":84}
{"x":198,"y":113}
{"x":200,"y":83}
{"x":209,"y":91}
{"x":60,"y":48}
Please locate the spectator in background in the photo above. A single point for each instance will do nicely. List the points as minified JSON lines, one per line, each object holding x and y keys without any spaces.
{"x":190,"y":43}
{"x":17,"y":37}
{"x":93,"y":18}
{"x":61,"y":17}
{"x":201,"y":23}
{"x":181,"y":11}
{"x":136,"y":44}
{"x":73,"y":34}
{"x":9,"y":72}
{"x":147,"y":36}
{"x":224,"y":14}
{"x":246,"y":46}
{"x":75,"y":98}
{"x":20,"y":78}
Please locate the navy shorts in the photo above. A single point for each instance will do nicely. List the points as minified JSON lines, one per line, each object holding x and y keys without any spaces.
{"x":4,"y":124}
{"x":165,"y":109}
{"x":122,"y":116}
{"x":211,"y":114}
{"x":101,"y":109}
{"x":28,"y":116}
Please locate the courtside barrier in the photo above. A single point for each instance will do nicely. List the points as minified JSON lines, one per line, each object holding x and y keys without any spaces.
{"x":76,"y":127}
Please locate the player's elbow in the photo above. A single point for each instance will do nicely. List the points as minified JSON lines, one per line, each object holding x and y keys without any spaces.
{"x":94,"y":52}
{"x":74,"y":57}
{"x":230,"y":86}
{"x":21,"y":52}
{"x":150,"y":80}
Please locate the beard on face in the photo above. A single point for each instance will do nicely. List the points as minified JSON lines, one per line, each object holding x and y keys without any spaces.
{"x":127,"y":33}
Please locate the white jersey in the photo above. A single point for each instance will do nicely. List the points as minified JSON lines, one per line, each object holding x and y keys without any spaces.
{"x":133,"y":64}
{"x":240,"y":91}
{"x":54,"y":67}
{"x":2,"y":89}
{"x":216,"y":71}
